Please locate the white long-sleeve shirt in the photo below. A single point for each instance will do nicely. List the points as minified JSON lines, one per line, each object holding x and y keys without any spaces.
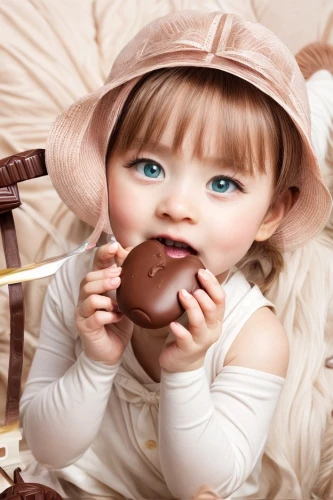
{"x":113,"y":431}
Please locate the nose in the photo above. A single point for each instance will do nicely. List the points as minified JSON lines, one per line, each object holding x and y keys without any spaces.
{"x":178,"y":204}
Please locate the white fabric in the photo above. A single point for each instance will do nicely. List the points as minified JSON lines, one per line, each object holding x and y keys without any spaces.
{"x":320,"y":92}
{"x":132,"y":437}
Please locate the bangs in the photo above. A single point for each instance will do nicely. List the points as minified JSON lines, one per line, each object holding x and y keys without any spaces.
{"x":226,"y":117}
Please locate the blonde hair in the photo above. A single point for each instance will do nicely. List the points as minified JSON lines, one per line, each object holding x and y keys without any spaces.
{"x":251,"y":132}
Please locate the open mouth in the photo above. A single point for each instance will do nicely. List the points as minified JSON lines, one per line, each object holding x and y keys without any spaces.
{"x":176,"y":249}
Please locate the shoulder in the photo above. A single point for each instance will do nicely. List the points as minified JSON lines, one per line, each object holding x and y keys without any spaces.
{"x":262,"y":344}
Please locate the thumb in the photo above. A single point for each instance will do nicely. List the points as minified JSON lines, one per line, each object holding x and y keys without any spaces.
{"x":104,"y":256}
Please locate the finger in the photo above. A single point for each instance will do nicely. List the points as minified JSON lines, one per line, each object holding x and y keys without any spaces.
{"x":109,"y":273}
{"x":197,"y":323}
{"x":210,"y":311}
{"x":213,"y":288}
{"x":184,"y":339}
{"x":93,"y":303}
{"x":121,"y":254}
{"x":104,"y":256}
{"x":97,"y":320}
{"x":99,"y":287}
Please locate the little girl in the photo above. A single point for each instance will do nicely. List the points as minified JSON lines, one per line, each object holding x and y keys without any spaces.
{"x":199,"y":139}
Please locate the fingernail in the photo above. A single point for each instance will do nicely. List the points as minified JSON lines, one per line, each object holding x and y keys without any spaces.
{"x":185,"y":294}
{"x":114,"y":281}
{"x":112,"y":239}
{"x":204,"y":274}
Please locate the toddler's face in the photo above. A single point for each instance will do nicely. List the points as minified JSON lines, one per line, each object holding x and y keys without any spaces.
{"x":213,"y":208}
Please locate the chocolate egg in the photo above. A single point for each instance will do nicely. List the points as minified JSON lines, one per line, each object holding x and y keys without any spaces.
{"x":150,"y":282}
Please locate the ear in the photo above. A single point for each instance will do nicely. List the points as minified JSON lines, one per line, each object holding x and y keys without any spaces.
{"x":274,"y":216}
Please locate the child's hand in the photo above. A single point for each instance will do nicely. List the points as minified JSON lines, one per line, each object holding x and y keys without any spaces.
{"x":108,"y":254}
{"x":104,"y":331}
{"x":205,"y":311}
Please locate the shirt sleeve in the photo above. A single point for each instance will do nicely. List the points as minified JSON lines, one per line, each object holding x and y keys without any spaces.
{"x":214,"y":435}
{"x":64,"y":400}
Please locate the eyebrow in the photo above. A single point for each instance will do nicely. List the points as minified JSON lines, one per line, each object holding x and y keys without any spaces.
{"x":165,"y":149}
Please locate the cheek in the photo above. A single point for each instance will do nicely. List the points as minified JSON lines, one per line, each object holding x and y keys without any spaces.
{"x":234,"y":238}
{"x":124,"y":211}
{"x":120,"y":210}
{"x":243,"y":229}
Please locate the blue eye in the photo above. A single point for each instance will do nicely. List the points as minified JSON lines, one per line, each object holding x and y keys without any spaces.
{"x":149,"y":169}
{"x":223,"y":185}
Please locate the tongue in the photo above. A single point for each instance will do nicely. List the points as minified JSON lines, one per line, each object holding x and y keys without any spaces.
{"x":177,"y":252}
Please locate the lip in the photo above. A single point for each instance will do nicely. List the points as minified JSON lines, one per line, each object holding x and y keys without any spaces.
{"x":167,"y":236}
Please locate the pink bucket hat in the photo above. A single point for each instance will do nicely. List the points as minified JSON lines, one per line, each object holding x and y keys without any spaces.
{"x":78,"y":141}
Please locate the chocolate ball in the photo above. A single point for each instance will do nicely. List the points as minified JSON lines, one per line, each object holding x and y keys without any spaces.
{"x":150,"y":282}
